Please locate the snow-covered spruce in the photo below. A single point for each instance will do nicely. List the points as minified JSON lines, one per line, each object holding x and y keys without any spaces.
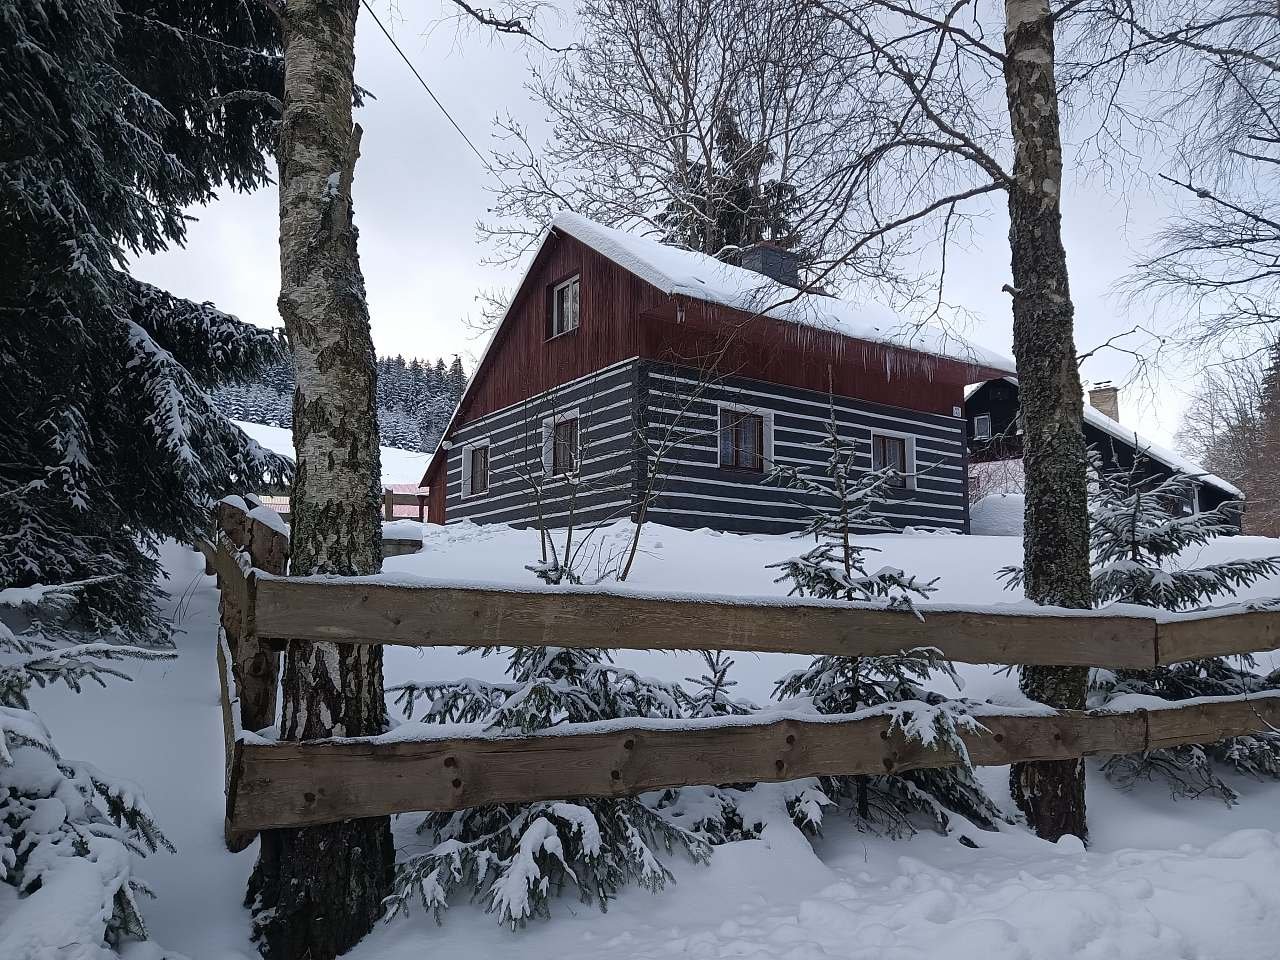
{"x":68,"y":831}
{"x":1140,"y":527}
{"x":415,"y":399}
{"x":841,"y":500}
{"x":515,"y":857}
{"x":110,"y":440}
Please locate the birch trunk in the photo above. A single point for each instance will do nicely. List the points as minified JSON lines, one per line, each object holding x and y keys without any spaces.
{"x":1050,"y":793}
{"x":316,"y":891}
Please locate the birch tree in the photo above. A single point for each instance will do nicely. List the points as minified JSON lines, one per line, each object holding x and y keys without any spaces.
{"x":1056,"y":528}
{"x":959,"y":117}
{"x":317,"y":890}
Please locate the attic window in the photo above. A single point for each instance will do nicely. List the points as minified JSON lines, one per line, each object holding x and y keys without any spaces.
{"x":982,"y":426}
{"x":564,"y":306}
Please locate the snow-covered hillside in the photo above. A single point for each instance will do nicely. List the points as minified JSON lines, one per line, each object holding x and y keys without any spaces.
{"x":1162,"y":879}
{"x":399,"y":467}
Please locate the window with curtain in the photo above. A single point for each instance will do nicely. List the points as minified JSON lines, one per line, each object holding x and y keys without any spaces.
{"x":890,"y":453}
{"x":478,"y":481}
{"x":564,"y":449}
{"x":741,"y":440}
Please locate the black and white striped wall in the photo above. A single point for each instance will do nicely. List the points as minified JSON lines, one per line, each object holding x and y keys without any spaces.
{"x":518,"y":441}
{"x":679,"y":410}
{"x":693,"y":490}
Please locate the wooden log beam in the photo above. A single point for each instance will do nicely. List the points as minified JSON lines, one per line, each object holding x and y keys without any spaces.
{"x":454,"y":616}
{"x":297,"y":784}
{"x":1218,"y":636}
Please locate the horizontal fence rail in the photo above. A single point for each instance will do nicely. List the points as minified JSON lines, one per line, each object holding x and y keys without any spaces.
{"x":292,"y":784}
{"x":427,"y":616}
{"x":286,"y":784}
{"x":391,"y":500}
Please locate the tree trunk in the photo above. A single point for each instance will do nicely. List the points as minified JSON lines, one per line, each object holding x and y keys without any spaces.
{"x":316,"y":891}
{"x":1051,"y":793}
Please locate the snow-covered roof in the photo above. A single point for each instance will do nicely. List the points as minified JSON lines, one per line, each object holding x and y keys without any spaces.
{"x":1096,"y":418}
{"x":686,"y":273}
{"x":1175,"y":461}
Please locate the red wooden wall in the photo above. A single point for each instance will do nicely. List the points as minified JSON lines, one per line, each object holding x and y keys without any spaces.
{"x":522,"y":362}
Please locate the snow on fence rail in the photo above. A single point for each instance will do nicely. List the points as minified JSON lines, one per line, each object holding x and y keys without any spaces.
{"x":282,"y":784}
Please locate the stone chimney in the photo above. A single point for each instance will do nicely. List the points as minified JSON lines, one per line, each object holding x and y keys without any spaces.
{"x":777,"y":263}
{"x":1106,"y":398}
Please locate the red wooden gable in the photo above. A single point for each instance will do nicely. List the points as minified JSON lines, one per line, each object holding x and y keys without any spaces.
{"x":623,"y":316}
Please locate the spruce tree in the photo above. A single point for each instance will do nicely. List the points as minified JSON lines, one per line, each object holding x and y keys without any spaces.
{"x":1142,"y":523}
{"x":415,"y":400}
{"x":737,"y":203}
{"x":514,"y":858}
{"x":113,"y":126}
{"x":456,"y":380}
{"x":117,"y":116}
{"x":842,"y":499}
{"x":64,"y":822}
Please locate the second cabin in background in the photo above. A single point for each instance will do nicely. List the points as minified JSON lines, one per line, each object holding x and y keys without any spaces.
{"x":624,"y":368}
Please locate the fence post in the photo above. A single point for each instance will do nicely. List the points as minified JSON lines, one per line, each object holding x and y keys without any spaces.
{"x":422,"y":509}
{"x":232,"y":523}
{"x":257,"y":666}
{"x":388,"y":505}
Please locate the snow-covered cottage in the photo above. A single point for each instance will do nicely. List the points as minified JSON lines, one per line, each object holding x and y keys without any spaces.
{"x":994,"y":435}
{"x":627,"y":371}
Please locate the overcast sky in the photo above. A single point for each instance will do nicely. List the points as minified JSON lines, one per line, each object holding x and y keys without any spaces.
{"x":419,"y":190}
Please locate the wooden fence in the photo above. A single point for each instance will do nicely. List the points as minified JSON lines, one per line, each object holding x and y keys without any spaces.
{"x":281,"y":784}
{"x":391,"y":499}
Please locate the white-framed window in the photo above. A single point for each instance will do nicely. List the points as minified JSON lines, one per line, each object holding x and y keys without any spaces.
{"x":895,"y":451}
{"x":745,"y":438}
{"x":564,"y":306}
{"x":561,"y":444}
{"x":475,"y":469}
{"x":982,"y":426}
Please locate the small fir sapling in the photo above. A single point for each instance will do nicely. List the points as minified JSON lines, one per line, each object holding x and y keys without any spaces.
{"x":841,"y":500}
{"x":1140,"y":525}
{"x":62,"y":821}
{"x":515,"y":857}
{"x":710,"y":695}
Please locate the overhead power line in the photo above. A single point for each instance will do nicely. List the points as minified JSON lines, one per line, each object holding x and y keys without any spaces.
{"x":409,"y":63}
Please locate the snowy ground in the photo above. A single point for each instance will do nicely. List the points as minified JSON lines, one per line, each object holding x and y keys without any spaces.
{"x":1162,"y":879}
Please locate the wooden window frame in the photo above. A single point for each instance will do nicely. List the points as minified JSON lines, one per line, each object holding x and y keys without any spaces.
{"x":468,"y":468}
{"x":764,"y":438}
{"x":553,"y":307}
{"x":907,"y":480}
{"x":558,"y":469}
{"x":977,"y":430}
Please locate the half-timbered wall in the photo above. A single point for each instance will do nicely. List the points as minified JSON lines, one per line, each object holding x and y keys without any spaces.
{"x":603,"y":405}
{"x":693,"y":490}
